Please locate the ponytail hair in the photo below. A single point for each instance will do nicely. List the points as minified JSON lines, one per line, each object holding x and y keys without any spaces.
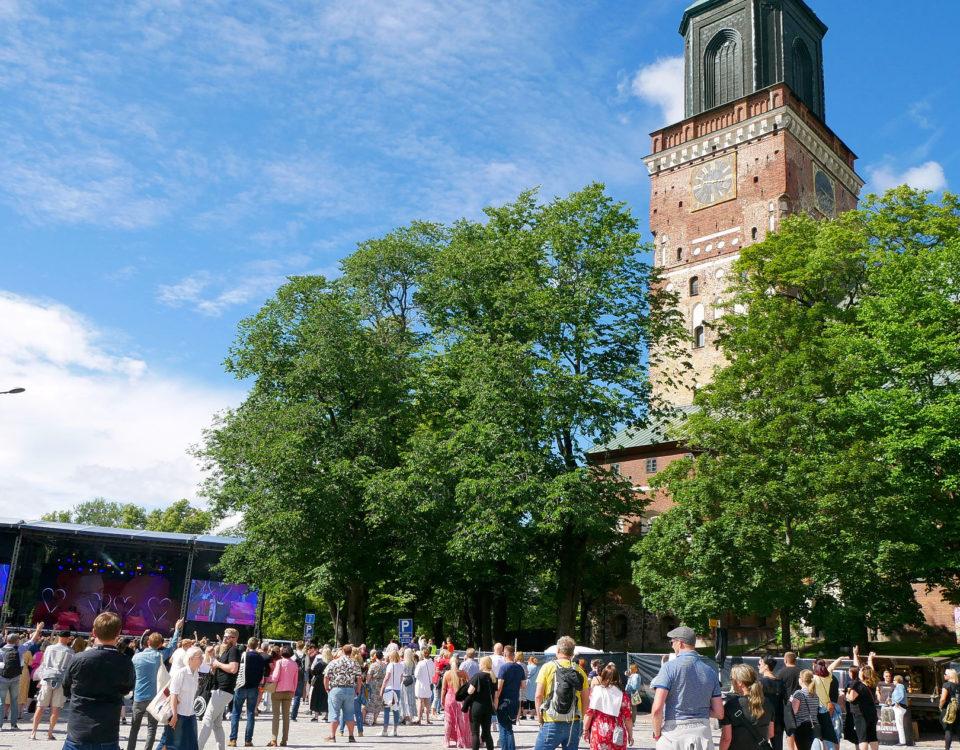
{"x":746,"y":677}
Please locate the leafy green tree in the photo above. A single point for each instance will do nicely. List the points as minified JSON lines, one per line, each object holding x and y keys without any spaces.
{"x":179,"y":517}
{"x":825,"y":479}
{"x":325,"y":413}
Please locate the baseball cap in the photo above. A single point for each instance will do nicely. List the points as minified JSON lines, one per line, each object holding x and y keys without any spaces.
{"x":684,"y":634}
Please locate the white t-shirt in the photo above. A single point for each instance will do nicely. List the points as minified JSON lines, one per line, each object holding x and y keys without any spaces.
{"x":56,"y":659}
{"x":498,"y":661}
{"x":183,"y":683}
{"x":424,"y":677}
{"x":393,"y":678}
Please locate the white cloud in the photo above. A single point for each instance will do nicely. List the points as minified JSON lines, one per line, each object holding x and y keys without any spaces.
{"x":92,"y":421}
{"x":661,"y":84}
{"x":255,"y":281}
{"x":927,"y":176}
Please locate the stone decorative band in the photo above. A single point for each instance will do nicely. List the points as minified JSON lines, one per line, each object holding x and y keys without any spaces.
{"x":750,"y":130}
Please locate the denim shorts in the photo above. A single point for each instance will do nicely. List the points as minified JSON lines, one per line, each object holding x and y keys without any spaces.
{"x":340,"y":704}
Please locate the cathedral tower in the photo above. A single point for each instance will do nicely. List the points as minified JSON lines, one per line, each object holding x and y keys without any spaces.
{"x":753,"y":147}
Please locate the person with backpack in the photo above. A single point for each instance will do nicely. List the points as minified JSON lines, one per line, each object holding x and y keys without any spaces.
{"x":687,"y":696}
{"x":10,"y":671}
{"x":950,"y":706}
{"x":562,"y":694}
{"x":747,"y":722}
{"x":53,"y":668}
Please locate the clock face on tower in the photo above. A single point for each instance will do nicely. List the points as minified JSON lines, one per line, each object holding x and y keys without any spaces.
{"x":715,"y":181}
{"x":826,"y":197}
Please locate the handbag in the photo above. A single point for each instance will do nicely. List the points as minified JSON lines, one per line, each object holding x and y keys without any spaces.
{"x":270,"y":687}
{"x":159,"y":708}
{"x":762,"y":743}
{"x":408,"y":679}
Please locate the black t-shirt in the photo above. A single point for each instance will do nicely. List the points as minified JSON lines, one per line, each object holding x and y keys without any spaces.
{"x":224,"y":680}
{"x":252,"y":668}
{"x":484,"y":691}
{"x":743,"y":736}
{"x":790,"y":677}
{"x":864,"y":700}
{"x":773,"y":692}
{"x":97,"y":680}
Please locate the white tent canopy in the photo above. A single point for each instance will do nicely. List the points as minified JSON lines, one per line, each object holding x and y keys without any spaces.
{"x":578,"y":650}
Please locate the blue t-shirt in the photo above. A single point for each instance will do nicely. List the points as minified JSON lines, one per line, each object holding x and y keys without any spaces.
{"x":692,"y":682}
{"x":512,"y":675}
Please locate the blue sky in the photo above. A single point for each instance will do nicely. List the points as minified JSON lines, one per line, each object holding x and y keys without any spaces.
{"x":165,"y":164}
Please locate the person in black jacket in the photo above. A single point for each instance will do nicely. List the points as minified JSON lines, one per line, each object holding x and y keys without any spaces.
{"x":774,"y":692}
{"x":97,"y":680}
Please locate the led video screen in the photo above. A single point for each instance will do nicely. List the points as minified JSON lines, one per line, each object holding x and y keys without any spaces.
{"x":214,"y":601}
{"x":75,"y":590}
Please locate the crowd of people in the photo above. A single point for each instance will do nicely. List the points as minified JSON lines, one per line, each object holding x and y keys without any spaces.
{"x":187,"y":689}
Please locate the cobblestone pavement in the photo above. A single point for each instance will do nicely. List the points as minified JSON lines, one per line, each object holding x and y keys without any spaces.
{"x":307,"y":734}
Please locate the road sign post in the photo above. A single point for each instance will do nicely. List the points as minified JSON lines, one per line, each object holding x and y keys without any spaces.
{"x":405,"y":630}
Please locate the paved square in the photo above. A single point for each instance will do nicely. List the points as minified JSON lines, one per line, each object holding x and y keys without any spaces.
{"x":307,"y":734}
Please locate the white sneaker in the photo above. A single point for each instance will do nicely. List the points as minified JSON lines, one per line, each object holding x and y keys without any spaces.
{"x":383,"y":732}
{"x":394,"y":730}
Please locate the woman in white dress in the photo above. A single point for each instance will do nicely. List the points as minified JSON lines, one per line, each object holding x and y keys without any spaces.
{"x":423,"y":688}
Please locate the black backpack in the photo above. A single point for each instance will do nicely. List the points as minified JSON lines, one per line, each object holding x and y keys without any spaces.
{"x":11,"y":662}
{"x":562,"y":705}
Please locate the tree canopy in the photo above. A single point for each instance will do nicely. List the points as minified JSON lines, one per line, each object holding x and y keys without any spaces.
{"x":179,"y":516}
{"x":415,"y":429}
{"x":827,"y":465}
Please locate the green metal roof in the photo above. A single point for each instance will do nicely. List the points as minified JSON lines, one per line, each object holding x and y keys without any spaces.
{"x":663,"y":431}
{"x":699,"y":5}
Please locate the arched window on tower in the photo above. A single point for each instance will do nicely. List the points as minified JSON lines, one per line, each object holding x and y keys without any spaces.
{"x":803,"y":72}
{"x":694,"y":286}
{"x":699,"y":332}
{"x":723,"y":69}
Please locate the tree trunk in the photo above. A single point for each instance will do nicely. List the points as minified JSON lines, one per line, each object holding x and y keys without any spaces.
{"x":569,"y":583}
{"x":500,"y":616}
{"x":486,"y":624}
{"x":786,"y":641}
{"x":438,"y":635}
{"x":338,"y":622}
{"x":356,"y":614}
{"x":472,"y":636}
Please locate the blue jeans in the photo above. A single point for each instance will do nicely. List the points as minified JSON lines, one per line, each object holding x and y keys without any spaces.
{"x":10,"y":685}
{"x":506,"y":713}
{"x":340,"y":703}
{"x":555,"y":734}
{"x":69,"y":744}
{"x":248,"y":697}
{"x":391,"y":702}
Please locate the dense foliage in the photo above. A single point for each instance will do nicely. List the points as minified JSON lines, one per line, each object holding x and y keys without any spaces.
{"x":828,"y":450}
{"x":413,"y":439}
{"x":179,"y":516}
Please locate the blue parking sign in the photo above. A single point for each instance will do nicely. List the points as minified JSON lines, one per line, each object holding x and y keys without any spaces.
{"x":405,"y":629}
{"x":310,"y":619}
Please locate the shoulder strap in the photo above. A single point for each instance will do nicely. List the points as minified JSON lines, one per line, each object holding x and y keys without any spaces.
{"x":749,"y":725}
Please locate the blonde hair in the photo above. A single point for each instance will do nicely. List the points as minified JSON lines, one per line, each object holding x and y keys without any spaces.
{"x":898,"y":679}
{"x":806,"y":679}
{"x":951,"y":675}
{"x":454,"y":672}
{"x":408,"y":657}
{"x":394,"y":656}
{"x":745,"y":676}
{"x":486,"y":664}
{"x":869,"y":676}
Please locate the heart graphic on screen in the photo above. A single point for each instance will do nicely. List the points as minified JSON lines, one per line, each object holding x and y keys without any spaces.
{"x":123,"y":605}
{"x":96,"y":603}
{"x":159,"y":608}
{"x":52,"y":598}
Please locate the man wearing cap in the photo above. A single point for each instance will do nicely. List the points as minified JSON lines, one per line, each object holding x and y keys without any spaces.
{"x":52,"y":670}
{"x":687,"y":695}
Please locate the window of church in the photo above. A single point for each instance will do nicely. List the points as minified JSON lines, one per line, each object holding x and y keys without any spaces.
{"x":723,"y":69}
{"x":679,"y":253}
{"x":651,"y":466}
{"x":694,"y":286}
{"x":699,"y":338}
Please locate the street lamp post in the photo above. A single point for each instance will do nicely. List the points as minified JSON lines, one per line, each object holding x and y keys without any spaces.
{"x":12,"y":390}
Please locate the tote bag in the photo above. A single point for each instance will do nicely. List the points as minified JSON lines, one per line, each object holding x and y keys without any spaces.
{"x":159,"y":708}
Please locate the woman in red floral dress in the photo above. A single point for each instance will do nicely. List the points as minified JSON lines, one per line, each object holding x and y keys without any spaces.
{"x":609,"y":722}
